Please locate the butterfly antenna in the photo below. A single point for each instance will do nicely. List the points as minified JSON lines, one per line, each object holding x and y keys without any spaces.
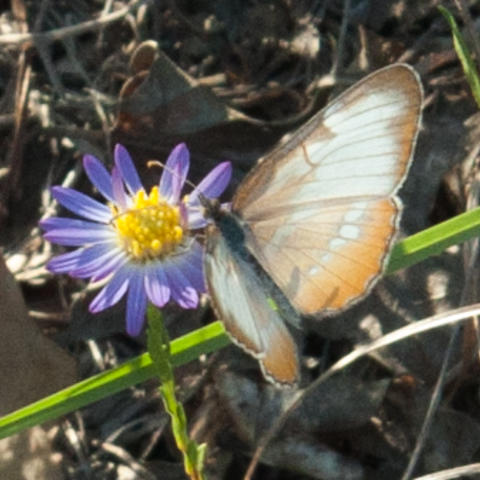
{"x":158,"y":163}
{"x":210,"y":206}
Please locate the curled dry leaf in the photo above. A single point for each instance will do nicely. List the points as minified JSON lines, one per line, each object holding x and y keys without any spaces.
{"x":160,"y":105}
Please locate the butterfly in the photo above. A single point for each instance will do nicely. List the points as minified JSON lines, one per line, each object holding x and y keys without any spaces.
{"x":311,"y":226}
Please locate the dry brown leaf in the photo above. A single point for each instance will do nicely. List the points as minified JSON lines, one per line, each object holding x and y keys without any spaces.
{"x":31,"y":367}
{"x":161,"y":106}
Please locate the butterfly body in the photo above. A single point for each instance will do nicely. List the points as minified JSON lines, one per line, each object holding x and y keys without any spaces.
{"x":312,"y":224}
{"x":235,"y":232}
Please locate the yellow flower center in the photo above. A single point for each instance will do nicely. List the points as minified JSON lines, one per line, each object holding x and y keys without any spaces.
{"x":150,"y":228}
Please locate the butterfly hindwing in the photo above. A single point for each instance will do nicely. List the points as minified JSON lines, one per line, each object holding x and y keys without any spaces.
{"x":241,"y":303}
{"x":320,"y":212}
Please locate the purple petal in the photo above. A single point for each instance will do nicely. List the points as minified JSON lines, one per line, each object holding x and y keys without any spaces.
{"x":99,"y":176}
{"x":191,"y":264}
{"x":109,"y":267}
{"x":196,"y":219}
{"x":183,"y":210}
{"x":102,"y":266}
{"x":175,"y":173}
{"x":124,"y":163}
{"x":112,"y":292}
{"x":119,"y":194}
{"x":67,"y":262}
{"x":136,"y":304}
{"x":182,"y":290}
{"x":51,"y":223}
{"x":74,"y":233}
{"x":213,"y":185}
{"x":81,"y":204}
{"x":156,"y":286}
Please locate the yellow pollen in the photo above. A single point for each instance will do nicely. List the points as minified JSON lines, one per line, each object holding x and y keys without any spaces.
{"x":150,"y":228}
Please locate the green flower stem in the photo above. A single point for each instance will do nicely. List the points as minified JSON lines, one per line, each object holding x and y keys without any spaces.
{"x":211,"y":338}
{"x":158,"y":344}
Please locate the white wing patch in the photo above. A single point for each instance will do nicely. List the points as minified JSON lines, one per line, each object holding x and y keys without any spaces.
{"x":349,"y":232}
{"x":373,"y":107}
{"x":355,"y":214}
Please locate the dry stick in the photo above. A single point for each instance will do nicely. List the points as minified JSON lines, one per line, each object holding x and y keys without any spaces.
{"x":42,"y":47}
{"x":471,"y":255}
{"x":128,"y":459}
{"x":432,"y":407}
{"x":107,"y":7}
{"x":436,"y":321}
{"x":338,"y":62}
{"x":70,"y":48}
{"x":15,"y":150}
{"x":451,"y":473}
{"x":420,"y":42}
{"x":74,"y":30}
{"x":41,"y":15}
{"x":471,"y":339}
{"x":22,"y":88}
{"x":43,"y":50}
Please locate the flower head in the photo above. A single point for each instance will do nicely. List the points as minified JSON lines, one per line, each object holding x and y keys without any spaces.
{"x":142,"y":241}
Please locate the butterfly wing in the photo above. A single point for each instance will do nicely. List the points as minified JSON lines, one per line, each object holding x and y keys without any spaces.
{"x":239,"y":300}
{"x":320,"y":212}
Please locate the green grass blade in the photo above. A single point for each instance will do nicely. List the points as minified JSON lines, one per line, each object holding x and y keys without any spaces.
{"x":434,"y":240}
{"x":212,"y":337}
{"x":464,"y":55}
{"x":183,"y":350}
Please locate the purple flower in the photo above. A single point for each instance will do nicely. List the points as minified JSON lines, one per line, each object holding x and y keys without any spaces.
{"x":141,"y":241}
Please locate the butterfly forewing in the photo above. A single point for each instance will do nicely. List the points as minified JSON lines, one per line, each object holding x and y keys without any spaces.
{"x":320,"y":211}
{"x":241,"y":303}
{"x":315,"y":259}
